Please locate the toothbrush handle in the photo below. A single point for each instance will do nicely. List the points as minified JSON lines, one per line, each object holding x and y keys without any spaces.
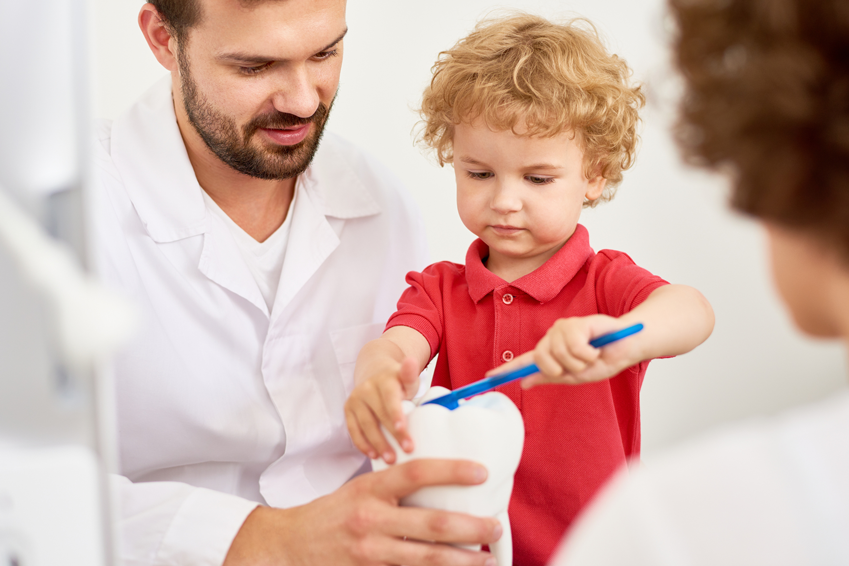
{"x":610,"y":337}
{"x":495,"y":381}
{"x":451,"y":400}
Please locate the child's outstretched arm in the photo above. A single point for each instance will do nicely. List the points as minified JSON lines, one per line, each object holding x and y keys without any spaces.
{"x":677,"y":318}
{"x":386,"y":373}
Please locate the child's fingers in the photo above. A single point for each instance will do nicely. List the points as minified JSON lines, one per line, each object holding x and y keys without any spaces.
{"x":575,"y":338}
{"x":409,"y":377}
{"x":363,"y":404}
{"x":392,"y":415}
{"x":357,"y":436}
{"x":370,"y":425}
{"x":533,"y":381}
{"x":515,"y":363}
{"x":550,"y":367}
{"x":553,"y":358}
{"x":386,"y":406}
{"x":572,"y":352}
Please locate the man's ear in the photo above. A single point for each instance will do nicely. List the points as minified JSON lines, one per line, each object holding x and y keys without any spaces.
{"x":595,"y":187}
{"x":160,"y":41}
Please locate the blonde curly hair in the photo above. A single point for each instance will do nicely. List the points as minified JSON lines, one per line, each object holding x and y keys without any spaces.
{"x":525,"y":71}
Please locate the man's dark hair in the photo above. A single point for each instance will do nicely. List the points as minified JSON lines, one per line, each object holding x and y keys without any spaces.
{"x":767,"y":98}
{"x":178,"y":16}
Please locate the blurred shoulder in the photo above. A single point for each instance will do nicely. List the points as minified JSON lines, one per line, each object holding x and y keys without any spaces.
{"x":765,"y":492}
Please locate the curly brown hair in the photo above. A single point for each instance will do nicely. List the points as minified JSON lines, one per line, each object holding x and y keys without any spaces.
{"x":523,"y":70}
{"x":767,"y":99}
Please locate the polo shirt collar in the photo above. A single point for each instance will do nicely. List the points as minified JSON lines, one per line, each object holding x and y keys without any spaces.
{"x":544,"y":283}
{"x":148,"y":150}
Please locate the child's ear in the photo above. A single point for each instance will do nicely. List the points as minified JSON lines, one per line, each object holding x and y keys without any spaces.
{"x":595,"y":187}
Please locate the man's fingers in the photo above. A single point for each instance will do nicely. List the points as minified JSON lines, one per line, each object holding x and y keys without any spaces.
{"x":402,"y":480}
{"x":445,"y":527}
{"x":369,"y":508}
{"x":419,"y":553}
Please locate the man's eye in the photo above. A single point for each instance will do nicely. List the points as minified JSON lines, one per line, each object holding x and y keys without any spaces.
{"x":254,"y":70}
{"x":326,"y":54}
{"x":480,"y":175}
{"x":536,"y":180}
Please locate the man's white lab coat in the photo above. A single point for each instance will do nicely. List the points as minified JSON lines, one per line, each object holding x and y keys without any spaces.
{"x":222,"y":405}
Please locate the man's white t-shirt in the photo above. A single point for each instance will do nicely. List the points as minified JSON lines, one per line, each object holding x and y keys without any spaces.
{"x":264,"y":259}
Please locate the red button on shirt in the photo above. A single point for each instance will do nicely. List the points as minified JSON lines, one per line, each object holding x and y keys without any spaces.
{"x":507,"y":299}
{"x":507,"y":355}
{"x":575,"y":437}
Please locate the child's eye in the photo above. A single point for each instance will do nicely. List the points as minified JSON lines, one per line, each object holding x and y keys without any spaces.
{"x":537,"y":180}
{"x":480,"y":175}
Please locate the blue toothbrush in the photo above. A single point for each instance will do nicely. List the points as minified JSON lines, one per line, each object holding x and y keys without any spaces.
{"x":452,"y":400}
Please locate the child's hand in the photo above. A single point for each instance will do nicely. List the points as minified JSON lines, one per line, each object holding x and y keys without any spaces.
{"x":564,"y":354}
{"x":377,"y":401}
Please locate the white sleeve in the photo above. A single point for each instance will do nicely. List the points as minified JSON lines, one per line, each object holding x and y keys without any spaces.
{"x":619,"y":528}
{"x":729,"y":498}
{"x":175,"y":524}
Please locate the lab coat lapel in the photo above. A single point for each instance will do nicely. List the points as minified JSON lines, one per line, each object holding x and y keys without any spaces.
{"x":167,"y":197}
{"x":311,"y":240}
{"x":330,"y":193}
{"x":223,"y":264}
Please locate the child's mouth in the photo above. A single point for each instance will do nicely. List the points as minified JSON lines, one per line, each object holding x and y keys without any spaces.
{"x":505,"y":230}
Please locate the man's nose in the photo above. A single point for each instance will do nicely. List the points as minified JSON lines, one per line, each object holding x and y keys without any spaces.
{"x":296,"y":93}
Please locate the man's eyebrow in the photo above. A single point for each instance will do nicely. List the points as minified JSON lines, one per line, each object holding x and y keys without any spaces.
{"x":258,"y":59}
{"x":334,"y":42}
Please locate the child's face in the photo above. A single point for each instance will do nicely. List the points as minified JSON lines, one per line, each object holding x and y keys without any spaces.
{"x":521,"y":195}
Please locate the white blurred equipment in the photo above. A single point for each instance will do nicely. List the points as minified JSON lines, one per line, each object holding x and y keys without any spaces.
{"x":56,"y":325}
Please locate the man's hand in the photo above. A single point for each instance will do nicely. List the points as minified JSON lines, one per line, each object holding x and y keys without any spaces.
{"x":362,"y":524}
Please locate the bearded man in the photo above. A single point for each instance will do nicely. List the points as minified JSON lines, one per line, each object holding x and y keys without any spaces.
{"x":262,"y":256}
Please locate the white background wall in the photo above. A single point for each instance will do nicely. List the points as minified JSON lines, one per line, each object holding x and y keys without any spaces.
{"x":671,"y":220}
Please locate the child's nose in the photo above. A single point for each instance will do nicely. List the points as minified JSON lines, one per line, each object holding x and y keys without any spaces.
{"x":506,"y":198}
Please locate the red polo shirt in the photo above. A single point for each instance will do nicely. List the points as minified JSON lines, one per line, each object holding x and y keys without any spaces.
{"x":575,"y":436}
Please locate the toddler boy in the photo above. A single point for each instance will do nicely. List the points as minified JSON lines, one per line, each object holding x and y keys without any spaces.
{"x":538,"y":121}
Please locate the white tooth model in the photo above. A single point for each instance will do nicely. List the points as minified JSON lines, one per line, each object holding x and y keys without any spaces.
{"x":487,"y":429}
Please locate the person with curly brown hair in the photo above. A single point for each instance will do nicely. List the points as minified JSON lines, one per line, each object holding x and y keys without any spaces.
{"x":767,"y":102}
{"x":539,"y":121}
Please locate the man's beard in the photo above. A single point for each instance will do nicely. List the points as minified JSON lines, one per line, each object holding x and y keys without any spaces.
{"x":223,"y":138}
